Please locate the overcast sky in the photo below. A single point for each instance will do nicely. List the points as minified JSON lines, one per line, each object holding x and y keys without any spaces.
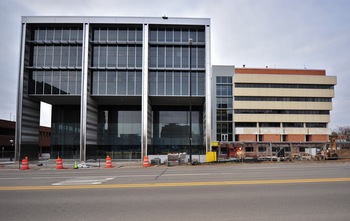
{"x":311,"y":34}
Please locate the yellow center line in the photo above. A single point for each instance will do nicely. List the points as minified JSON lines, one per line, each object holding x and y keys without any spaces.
{"x":179,"y":184}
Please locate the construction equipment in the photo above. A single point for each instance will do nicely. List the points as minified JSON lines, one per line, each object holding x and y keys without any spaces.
{"x":331,"y":153}
{"x":227,"y":152}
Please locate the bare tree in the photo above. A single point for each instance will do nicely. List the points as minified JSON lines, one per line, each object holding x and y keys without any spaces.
{"x":343,"y":132}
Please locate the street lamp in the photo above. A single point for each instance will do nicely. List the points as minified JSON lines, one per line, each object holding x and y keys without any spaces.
{"x":190,"y":40}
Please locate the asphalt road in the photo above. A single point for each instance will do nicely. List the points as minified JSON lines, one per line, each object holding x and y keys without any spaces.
{"x":316,"y":191}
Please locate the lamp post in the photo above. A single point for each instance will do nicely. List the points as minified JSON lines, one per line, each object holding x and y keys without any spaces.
{"x":190,"y":40}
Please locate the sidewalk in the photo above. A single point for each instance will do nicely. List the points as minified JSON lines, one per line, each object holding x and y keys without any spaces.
{"x":68,"y":164}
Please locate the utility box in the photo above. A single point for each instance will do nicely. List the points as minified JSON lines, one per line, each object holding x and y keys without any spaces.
{"x":210,"y":157}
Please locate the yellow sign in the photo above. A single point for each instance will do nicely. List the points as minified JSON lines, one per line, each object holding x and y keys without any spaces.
{"x":215,"y":143}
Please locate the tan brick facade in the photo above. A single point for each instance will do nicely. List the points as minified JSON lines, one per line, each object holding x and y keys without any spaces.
{"x":295,"y":138}
{"x":247,"y":137}
{"x":271,"y":138}
{"x":318,"y":138}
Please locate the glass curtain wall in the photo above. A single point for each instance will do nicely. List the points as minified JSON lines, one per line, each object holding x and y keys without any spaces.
{"x":171,"y":130}
{"x":116,"y":74}
{"x":119,"y":132}
{"x":65,"y":131}
{"x":169,"y":61}
{"x":116,"y":64}
{"x":55,"y":60}
{"x":224,"y":109}
{"x":173,"y":65}
{"x":54,"y":67}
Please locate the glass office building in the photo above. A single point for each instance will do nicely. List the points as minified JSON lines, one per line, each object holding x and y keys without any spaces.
{"x":126,"y":86}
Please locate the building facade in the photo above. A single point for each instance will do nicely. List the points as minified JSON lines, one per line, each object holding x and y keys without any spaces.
{"x":271,"y":107}
{"x":7,"y":139}
{"x":134,"y":86}
{"x":117,"y":85}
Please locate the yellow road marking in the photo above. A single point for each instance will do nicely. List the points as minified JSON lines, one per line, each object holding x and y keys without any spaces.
{"x":180,"y":184}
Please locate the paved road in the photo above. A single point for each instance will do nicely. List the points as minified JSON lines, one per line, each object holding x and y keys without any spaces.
{"x":226,"y":192}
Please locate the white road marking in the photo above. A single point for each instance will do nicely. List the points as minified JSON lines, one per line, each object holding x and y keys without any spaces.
{"x":83,"y":181}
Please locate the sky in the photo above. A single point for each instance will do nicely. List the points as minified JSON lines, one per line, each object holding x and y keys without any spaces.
{"x":297,"y":34}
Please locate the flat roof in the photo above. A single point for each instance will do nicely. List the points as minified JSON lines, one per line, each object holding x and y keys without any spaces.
{"x":280,"y":71}
{"x":116,"y":19}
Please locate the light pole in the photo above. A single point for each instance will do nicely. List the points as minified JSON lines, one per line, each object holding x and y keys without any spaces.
{"x":190,"y":40}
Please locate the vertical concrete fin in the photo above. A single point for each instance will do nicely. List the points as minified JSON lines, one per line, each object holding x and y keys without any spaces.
{"x":84,"y":93}
{"x":145,"y":100}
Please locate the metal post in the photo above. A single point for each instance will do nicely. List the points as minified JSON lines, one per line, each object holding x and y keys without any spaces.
{"x":190,"y":40}
{"x":271,"y":150}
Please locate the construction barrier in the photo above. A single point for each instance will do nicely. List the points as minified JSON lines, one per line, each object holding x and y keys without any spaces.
{"x":25,"y":164}
{"x":210,"y":157}
{"x":108,"y":162}
{"x":59,"y":164}
{"x":145,"y":161}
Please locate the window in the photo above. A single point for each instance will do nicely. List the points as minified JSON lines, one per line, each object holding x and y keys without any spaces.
{"x":131,"y":35}
{"x":261,"y":137}
{"x":161,"y":56}
{"x":102,"y":83}
{"x":55,"y":82}
{"x":284,"y":137}
{"x":249,"y":149}
{"x":131,"y":83}
{"x":223,"y":90}
{"x":169,"y":83}
{"x":262,"y":149}
{"x":301,"y":86}
{"x":223,"y":80}
{"x":293,"y":124}
{"x":245,"y":124}
{"x":285,"y":99}
{"x":224,"y":137}
{"x":122,"y":35}
{"x":122,"y":56}
{"x":256,"y":111}
{"x":267,"y":124}
{"x":222,"y":115}
{"x":131,"y":56}
{"x":307,"y":138}
{"x":316,"y":125}
{"x":111,"y":56}
{"x":116,"y":82}
{"x":224,"y":103}
{"x":121,"y":87}
{"x":161,"y":35}
{"x":112,"y":34}
{"x":73,"y":34}
{"x":169,"y":57}
{"x":169,"y":35}
{"x":111,"y":82}
{"x":177,"y":35}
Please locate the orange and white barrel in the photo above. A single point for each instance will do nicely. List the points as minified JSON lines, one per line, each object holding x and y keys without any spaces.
{"x":25,"y":164}
{"x":108,"y":162}
{"x":145,"y":161}
{"x":59,"y":164}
